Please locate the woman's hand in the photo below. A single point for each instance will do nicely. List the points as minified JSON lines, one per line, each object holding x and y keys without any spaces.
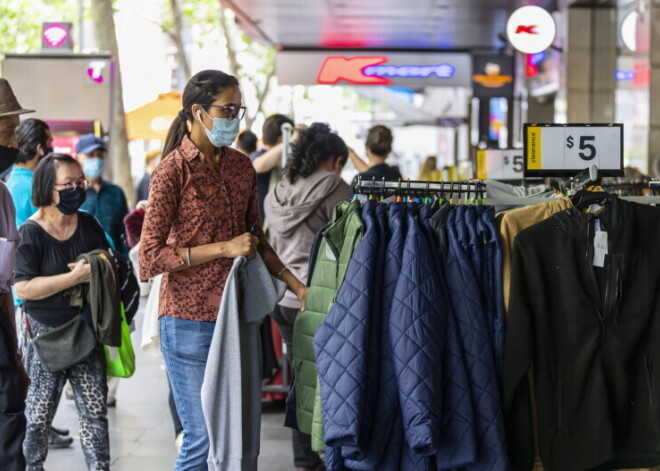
{"x":80,"y":271}
{"x":301,"y":294}
{"x":244,"y":245}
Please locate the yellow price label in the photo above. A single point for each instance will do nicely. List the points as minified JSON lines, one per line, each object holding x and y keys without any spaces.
{"x":482,"y":167}
{"x":534,"y":148}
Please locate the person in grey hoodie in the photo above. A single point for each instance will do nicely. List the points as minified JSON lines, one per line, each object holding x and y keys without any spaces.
{"x":297,"y":208}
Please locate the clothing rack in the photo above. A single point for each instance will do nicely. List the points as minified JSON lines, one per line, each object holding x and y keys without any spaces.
{"x":463,"y":191}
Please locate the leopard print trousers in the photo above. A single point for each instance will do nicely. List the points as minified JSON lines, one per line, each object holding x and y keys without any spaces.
{"x":90,"y":394}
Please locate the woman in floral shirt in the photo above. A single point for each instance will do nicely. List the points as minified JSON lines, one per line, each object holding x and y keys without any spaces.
{"x":202,"y":213}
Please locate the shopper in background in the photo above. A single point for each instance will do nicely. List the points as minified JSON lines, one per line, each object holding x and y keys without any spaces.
{"x":151,"y":160}
{"x":379,"y":146}
{"x":13,"y":378}
{"x":270,"y":156}
{"x":429,"y":166}
{"x":105,"y":201}
{"x":247,"y":142}
{"x":34,"y":142}
{"x":203,"y":212}
{"x":46,"y":267}
{"x":297,"y":208}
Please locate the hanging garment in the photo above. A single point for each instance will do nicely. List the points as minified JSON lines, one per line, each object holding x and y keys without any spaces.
{"x":341,"y":344}
{"x":513,"y":222}
{"x":475,"y":336}
{"x":386,"y":441}
{"x":417,"y":327}
{"x":339,"y":241}
{"x":492,"y":280}
{"x":231,"y":390}
{"x":591,"y":335}
{"x":457,"y":445}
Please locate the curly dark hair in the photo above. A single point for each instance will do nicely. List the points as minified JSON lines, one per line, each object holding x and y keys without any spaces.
{"x":316,"y":144}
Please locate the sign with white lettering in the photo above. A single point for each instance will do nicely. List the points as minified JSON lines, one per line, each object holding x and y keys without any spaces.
{"x":564,"y":149}
{"x":400,"y":69}
{"x":500,"y":164}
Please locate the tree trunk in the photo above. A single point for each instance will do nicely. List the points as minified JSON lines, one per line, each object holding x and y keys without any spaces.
{"x":261,"y":96}
{"x":177,"y":37}
{"x":104,"y":28}
{"x":231,"y":51}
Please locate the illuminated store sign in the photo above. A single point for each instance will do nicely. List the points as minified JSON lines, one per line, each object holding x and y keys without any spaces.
{"x":397,"y":69}
{"x":353,"y":70}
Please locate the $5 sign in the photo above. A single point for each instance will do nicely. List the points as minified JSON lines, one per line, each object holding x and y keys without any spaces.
{"x":586,"y":147}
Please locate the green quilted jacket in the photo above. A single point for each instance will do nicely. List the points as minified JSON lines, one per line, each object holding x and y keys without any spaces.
{"x":335,"y":251}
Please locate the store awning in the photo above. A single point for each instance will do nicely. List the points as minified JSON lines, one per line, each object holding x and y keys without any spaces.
{"x":153,"y":120}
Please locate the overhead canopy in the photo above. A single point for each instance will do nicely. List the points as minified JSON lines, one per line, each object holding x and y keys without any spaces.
{"x":388,"y":24}
{"x":153,"y":120}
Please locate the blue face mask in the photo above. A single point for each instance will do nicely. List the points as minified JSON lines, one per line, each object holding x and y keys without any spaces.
{"x":93,"y":167}
{"x":224,"y":130}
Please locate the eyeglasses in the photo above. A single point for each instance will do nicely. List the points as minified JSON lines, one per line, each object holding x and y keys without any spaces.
{"x":71,"y":186}
{"x":231,"y":111}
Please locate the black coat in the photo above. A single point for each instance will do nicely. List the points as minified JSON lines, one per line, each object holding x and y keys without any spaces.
{"x":592,"y":336}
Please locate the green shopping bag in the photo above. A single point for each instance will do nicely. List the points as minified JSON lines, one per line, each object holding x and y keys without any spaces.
{"x":120,"y":361}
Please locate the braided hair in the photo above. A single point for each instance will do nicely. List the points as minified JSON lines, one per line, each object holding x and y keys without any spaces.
{"x":201,"y":89}
{"x":316,"y":144}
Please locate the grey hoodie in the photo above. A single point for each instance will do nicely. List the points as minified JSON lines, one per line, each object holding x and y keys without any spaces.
{"x":295,"y":213}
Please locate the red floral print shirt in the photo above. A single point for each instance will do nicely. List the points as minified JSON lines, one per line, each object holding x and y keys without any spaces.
{"x":191,"y":204}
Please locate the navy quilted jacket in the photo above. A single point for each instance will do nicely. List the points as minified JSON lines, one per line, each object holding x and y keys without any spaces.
{"x":341,"y":344}
{"x":492,"y":280}
{"x":475,"y":334}
{"x":384,"y":450}
{"x":417,"y":331}
{"x":458,"y":445}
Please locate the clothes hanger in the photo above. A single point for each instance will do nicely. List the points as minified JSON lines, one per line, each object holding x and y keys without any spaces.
{"x":356,"y":188}
{"x":382,"y":191}
{"x":585,"y":198}
{"x":397,"y":193}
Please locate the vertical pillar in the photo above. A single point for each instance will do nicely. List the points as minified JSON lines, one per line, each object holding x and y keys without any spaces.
{"x":541,"y":111}
{"x":591,"y":63}
{"x":652,"y":33}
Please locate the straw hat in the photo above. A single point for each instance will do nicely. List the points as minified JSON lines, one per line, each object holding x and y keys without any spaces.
{"x":9,"y":105}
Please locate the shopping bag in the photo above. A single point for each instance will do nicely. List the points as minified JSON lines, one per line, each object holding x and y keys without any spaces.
{"x":120,"y":361}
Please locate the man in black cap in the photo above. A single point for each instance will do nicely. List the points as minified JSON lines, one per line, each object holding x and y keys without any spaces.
{"x":13,"y":379}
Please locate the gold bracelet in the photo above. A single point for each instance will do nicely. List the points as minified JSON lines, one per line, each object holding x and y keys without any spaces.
{"x":188,"y":256}
{"x":281,"y":271}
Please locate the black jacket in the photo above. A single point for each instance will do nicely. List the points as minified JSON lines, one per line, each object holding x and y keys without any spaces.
{"x":592,"y":336}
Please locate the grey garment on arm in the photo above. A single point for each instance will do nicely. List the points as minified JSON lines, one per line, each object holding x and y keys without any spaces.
{"x":231,"y":391}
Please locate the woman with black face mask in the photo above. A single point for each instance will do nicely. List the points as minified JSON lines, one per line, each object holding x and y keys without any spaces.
{"x":52,"y":239}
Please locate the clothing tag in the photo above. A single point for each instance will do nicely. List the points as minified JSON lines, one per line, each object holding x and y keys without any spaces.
{"x":600,"y":247}
{"x":594,"y":208}
{"x":329,"y":253}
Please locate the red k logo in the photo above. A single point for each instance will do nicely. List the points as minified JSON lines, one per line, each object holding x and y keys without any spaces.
{"x":527,"y":29}
{"x":338,"y":68}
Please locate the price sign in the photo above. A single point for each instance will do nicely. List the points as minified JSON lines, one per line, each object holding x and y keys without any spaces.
{"x":500,"y":164}
{"x":563,"y":149}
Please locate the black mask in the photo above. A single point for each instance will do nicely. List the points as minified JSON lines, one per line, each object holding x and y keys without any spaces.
{"x":7,"y":157}
{"x":71,"y":201}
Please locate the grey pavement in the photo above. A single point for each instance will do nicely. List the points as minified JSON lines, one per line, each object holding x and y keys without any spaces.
{"x":141,"y":431}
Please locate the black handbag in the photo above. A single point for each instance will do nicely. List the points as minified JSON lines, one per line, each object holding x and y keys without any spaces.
{"x":64,"y":346}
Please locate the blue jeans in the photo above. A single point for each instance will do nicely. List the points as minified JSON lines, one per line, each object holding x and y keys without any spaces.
{"x":185,"y":345}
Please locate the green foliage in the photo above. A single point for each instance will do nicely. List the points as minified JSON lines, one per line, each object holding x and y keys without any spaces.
{"x":20,"y":27}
